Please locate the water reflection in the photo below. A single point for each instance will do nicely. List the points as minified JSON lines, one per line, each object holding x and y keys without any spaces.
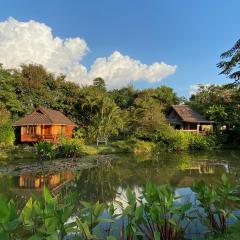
{"x":103,"y":183}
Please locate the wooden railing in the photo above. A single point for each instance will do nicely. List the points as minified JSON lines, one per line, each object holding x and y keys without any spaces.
{"x":43,"y":137}
{"x":195,"y":131}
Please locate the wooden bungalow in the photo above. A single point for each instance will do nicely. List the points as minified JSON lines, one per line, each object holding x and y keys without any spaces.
{"x":185,"y":118}
{"x":44,"y":125}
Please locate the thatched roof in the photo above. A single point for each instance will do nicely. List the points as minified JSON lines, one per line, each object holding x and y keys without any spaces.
{"x":44,"y":116}
{"x":187,"y":114}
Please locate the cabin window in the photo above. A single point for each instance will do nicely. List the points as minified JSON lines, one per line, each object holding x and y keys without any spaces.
{"x":30,"y":130}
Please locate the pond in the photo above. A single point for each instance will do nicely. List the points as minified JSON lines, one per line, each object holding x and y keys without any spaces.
{"x":109,"y":182}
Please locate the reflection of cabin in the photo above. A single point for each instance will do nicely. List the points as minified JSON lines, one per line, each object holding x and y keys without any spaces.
{"x":30,"y":181}
{"x":44,"y":125}
{"x":185,"y":118}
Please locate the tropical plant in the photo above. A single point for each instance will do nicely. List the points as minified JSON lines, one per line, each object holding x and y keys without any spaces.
{"x":155,"y":214}
{"x":45,"y":150}
{"x":217,"y":203}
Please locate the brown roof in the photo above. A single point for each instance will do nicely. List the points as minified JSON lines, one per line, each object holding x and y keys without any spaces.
{"x":187,"y":114}
{"x":44,"y":116}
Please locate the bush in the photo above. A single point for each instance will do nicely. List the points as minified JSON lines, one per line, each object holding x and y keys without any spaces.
{"x":7,"y":136}
{"x":199,"y":142}
{"x":172,"y":140}
{"x":133,"y":146}
{"x":46,"y":150}
{"x":70,"y":147}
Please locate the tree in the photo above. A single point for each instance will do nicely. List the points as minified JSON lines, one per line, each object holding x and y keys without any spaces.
{"x":232,"y":63}
{"x":147,"y":117}
{"x":4,"y":116}
{"x":100,"y":84}
{"x":107,"y":120}
{"x":124,"y":97}
{"x":220,"y":104}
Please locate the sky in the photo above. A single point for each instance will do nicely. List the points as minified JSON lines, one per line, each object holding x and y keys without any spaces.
{"x":147,"y":43}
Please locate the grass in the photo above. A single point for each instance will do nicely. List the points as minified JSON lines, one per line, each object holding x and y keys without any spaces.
{"x":121,"y":146}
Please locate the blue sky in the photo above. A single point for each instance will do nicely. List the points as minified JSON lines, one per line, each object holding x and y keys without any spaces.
{"x":190,"y":34}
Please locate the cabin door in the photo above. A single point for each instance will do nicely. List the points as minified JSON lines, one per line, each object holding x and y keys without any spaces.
{"x":47,"y":130}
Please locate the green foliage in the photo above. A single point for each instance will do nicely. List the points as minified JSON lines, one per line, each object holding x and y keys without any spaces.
{"x":174,"y":141}
{"x":217,"y":203}
{"x":154,"y":214}
{"x":7,"y":136}
{"x":146,"y":118}
{"x":45,"y":150}
{"x":133,"y":146}
{"x":4,"y":116}
{"x":9,"y":219}
{"x":107,"y":120}
{"x":199,"y":142}
{"x":70,"y":147}
{"x":220,"y":104}
{"x":229,"y":67}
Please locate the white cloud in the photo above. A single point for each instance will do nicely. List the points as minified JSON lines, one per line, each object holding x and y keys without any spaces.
{"x":33,"y":42}
{"x":193,"y":89}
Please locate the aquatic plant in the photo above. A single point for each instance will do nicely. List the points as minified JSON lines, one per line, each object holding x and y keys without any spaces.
{"x":218,"y":204}
{"x":153,"y":215}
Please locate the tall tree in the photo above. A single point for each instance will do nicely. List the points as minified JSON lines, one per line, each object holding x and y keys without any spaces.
{"x":231,"y":64}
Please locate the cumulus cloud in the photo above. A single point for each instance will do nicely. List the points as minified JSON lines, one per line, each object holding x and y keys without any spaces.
{"x":193,"y":89}
{"x":33,"y":42}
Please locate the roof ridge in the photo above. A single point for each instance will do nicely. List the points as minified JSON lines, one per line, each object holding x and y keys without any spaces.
{"x":44,"y":111}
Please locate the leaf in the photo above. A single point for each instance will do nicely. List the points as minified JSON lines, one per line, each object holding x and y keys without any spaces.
{"x":131,"y":197}
{"x":139,"y":212}
{"x":224,"y":178}
{"x":4,"y":211}
{"x":172,"y":221}
{"x":47,"y":195}
{"x":111,"y":238}
{"x":156,"y":235}
{"x":111,"y":209}
{"x":83,"y":226}
{"x":98,"y":209}
{"x":106,"y":220}
{"x":4,"y":236}
{"x":27,"y":213}
{"x":86,"y":204}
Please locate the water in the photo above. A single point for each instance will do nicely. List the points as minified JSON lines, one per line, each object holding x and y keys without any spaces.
{"x":103,"y":183}
{"x":109,"y":182}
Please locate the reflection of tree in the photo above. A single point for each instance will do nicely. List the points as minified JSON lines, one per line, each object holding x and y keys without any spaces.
{"x":101,"y":183}
{"x":6,"y":182}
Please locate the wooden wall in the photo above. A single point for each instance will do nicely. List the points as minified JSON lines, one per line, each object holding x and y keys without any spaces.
{"x":51,"y":133}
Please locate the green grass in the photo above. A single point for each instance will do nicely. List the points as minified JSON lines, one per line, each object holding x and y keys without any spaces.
{"x":122,"y":146}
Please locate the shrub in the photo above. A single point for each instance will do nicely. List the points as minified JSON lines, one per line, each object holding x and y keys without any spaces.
{"x":172,"y":140}
{"x":46,"y":150}
{"x":133,"y":146}
{"x":70,"y":147}
{"x":199,"y":142}
{"x":7,"y":136}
